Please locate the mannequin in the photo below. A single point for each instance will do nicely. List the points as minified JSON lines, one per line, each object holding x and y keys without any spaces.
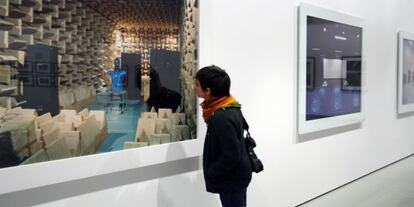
{"x":118,"y":93}
{"x":117,"y":76}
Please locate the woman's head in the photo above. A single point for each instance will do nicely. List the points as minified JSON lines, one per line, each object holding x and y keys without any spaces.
{"x":212,"y":81}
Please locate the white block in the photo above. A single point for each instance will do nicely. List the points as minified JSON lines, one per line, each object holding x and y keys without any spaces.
{"x":164,"y":113}
{"x":58,"y":150}
{"x":178,"y":119}
{"x":72,"y":140}
{"x":180,"y":133}
{"x":131,"y":145}
{"x":100,"y":117}
{"x":39,"y":156}
{"x":43,"y":118}
{"x":89,"y":130}
{"x":149,"y":115}
{"x":51,"y":135}
{"x":163,"y":126}
{"x":332,"y":68}
{"x":145,"y":128}
{"x":84,"y":113}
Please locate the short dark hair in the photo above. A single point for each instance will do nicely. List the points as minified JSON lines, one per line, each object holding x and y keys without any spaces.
{"x":216,"y":79}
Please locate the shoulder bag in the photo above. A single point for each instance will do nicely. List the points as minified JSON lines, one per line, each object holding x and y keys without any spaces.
{"x":257,"y":164}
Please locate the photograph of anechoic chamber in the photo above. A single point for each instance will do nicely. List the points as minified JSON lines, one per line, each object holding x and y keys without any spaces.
{"x":336,"y":49}
{"x":408,"y":72}
{"x":76,"y":100}
{"x":331,"y":65}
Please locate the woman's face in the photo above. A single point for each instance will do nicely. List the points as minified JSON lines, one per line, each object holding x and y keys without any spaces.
{"x":199,"y":90}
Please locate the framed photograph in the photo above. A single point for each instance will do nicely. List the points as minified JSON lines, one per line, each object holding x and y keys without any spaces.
{"x":27,"y":79}
{"x":44,"y":81}
{"x":44,"y":68}
{"x":310,"y":72}
{"x":27,"y":67}
{"x":330,"y":69}
{"x":351,"y":73}
{"x":405,"y":72}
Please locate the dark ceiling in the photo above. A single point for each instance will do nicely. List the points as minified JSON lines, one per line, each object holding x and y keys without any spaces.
{"x":332,"y":40}
{"x":158,"y":13}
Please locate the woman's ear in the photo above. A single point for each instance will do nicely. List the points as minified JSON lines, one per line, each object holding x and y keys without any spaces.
{"x":208,"y":92}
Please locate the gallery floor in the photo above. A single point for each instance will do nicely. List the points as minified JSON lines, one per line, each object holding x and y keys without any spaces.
{"x":121,"y":126}
{"x":392,"y":186}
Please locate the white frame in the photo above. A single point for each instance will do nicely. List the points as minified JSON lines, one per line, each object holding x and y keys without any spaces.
{"x":402,"y":108}
{"x":35,"y":175}
{"x":305,"y":127}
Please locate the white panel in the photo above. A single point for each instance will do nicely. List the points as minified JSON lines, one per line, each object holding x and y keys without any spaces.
{"x":86,"y":166}
{"x":332,"y":68}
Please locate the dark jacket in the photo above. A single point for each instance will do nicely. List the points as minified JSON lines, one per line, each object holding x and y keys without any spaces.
{"x":225,"y":162}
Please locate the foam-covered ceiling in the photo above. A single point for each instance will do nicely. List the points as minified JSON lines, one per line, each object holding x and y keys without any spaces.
{"x":154,"y":13}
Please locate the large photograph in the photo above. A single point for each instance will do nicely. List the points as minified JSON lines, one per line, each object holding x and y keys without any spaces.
{"x":104,"y":76}
{"x":406,"y":72}
{"x":330,"y":69}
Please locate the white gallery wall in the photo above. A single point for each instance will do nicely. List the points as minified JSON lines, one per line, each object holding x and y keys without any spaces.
{"x":256,"y":42}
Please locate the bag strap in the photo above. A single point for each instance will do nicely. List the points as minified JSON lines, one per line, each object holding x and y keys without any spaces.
{"x":246,"y":126}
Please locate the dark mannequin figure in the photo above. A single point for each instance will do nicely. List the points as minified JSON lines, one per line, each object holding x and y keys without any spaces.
{"x":161,"y":97}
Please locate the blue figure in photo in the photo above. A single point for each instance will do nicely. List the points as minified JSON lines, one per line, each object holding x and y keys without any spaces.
{"x":355,"y":100}
{"x":316,"y":102}
{"x":337,"y":98}
{"x":117,"y":76}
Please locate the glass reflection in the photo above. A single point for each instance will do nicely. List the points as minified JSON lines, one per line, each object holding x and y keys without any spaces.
{"x":408,"y":72}
{"x":333,"y":69}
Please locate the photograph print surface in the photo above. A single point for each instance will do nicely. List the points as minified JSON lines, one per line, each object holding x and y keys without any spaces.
{"x":330,"y":69}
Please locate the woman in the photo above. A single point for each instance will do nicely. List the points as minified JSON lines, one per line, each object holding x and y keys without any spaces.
{"x":227,"y":169}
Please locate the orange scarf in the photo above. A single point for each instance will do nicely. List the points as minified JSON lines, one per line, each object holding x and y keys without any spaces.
{"x":224,"y":102}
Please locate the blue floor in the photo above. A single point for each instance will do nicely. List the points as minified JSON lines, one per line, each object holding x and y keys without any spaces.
{"x":121,"y":126}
